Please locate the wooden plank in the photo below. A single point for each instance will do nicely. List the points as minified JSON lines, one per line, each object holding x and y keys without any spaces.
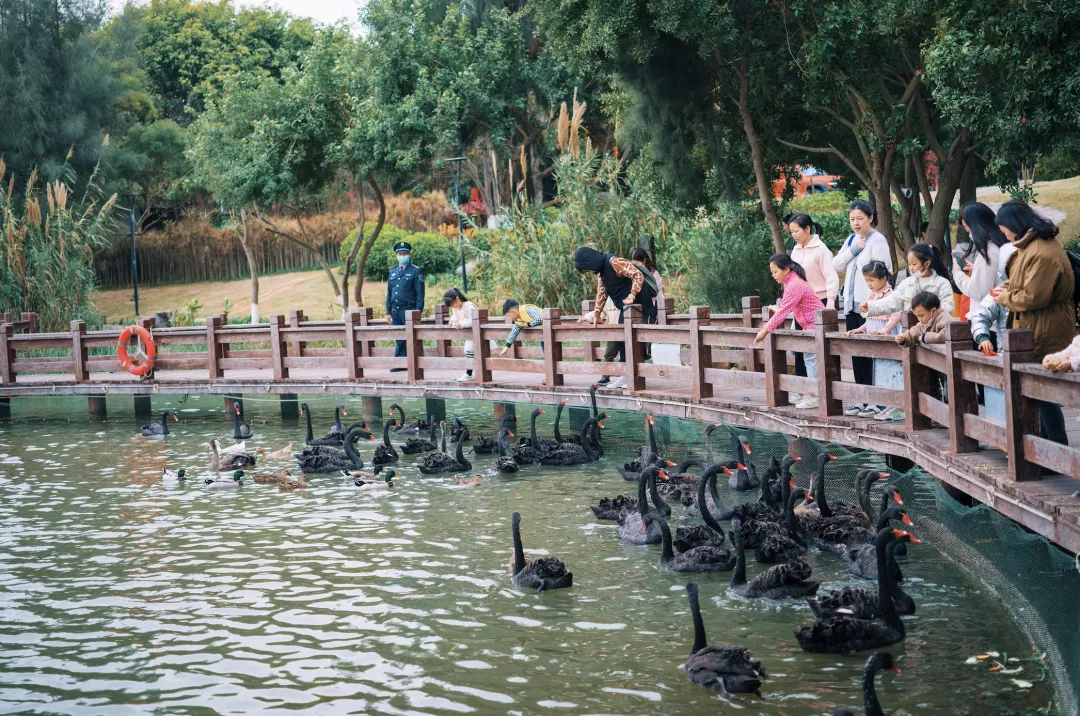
{"x":265,"y":363}
{"x":916,"y":382}
{"x":414,"y":347}
{"x":376,"y":363}
{"x":586,"y":368}
{"x":308,"y":335}
{"x":751,"y":312}
{"x":736,"y":356}
{"x":1062,"y":459}
{"x":318,"y":362}
{"x":570,"y":333}
{"x":635,"y":352}
{"x":481,"y":348}
{"x":7,"y":353}
{"x":875,"y":395}
{"x":795,"y":341}
{"x":984,"y":431}
{"x":700,"y":354}
{"x":44,"y":365}
{"x":681,"y":373}
{"x":552,"y":377}
{"x":934,"y":409}
{"x":29,"y":342}
{"x":828,"y":365}
{"x":1045,"y":386}
{"x":962,"y":394}
{"x":775,"y":366}
{"x":931,"y":356}
{"x":1018,"y":346}
{"x":722,"y":378}
{"x":589,"y":346}
{"x":728,"y":337}
{"x":213,"y":350}
{"x":517,"y":365}
{"x":333,"y":352}
{"x":864,"y":346}
{"x":279,"y":348}
{"x":662,"y":334}
{"x":180,"y":361}
{"x":797,"y":384}
{"x":981,"y":373}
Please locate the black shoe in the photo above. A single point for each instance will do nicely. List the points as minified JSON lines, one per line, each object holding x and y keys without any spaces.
{"x":604,"y":381}
{"x":398,"y":370}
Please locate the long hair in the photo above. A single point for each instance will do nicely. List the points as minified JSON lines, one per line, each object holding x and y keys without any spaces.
{"x":982,"y":228}
{"x":930,"y":254}
{"x":784,"y":261}
{"x":643,"y":256}
{"x":450,"y":296}
{"x":804,"y":221}
{"x":1019,"y":218}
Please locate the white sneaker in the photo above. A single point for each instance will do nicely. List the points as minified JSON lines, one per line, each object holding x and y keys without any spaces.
{"x":808,"y":403}
{"x":795,"y":398}
{"x":619,"y":382}
{"x":854,"y":410}
{"x":464,"y":378}
{"x":870,"y":411}
{"x":891,"y":415}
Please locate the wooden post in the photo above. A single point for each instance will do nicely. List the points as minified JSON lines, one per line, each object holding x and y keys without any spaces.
{"x":828,"y":366}
{"x":7,"y":353}
{"x":481,"y":347}
{"x":1021,"y":413}
{"x":290,"y":406}
{"x":213,"y":350}
{"x":148,"y":324}
{"x":553,"y":350}
{"x":295,"y":319}
{"x":663,"y":308}
{"x":589,"y":346}
{"x":5,"y":410}
{"x":700,"y":354}
{"x":962,"y":395}
{"x":96,"y":404}
{"x":279,"y":349}
{"x":371,"y":408}
{"x":31,"y":322}
{"x":352,"y":350}
{"x":442,"y":347}
{"x":367,"y":348}
{"x":143,"y":408}
{"x":751,"y":310}
{"x":79,"y":351}
{"x":633,"y":349}
{"x":775,"y":366}
{"x":503,"y":410}
{"x":916,"y":380}
{"x":414,"y":349}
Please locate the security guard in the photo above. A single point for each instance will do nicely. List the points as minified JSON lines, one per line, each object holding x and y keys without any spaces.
{"x":404,"y":292}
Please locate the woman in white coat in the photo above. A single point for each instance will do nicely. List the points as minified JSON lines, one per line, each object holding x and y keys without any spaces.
{"x":461,"y":316}
{"x":865,"y":246}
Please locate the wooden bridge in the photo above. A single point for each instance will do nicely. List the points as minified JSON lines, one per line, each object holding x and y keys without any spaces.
{"x":721,"y":378}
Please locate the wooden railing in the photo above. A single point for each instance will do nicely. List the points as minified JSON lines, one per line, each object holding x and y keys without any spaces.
{"x":717,"y":353}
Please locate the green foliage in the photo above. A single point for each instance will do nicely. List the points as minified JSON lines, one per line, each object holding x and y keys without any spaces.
{"x":46,"y":252}
{"x":152,"y":162}
{"x":812,"y":204}
{"x":731,"y":258}
{"x":186,"y":316}
{"x":1062,"y":162}
{"x":432,"y":253}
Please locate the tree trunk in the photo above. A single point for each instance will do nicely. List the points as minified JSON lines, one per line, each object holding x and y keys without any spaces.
{"x":537,"y":178}
{"x":347,"y":268}
{"x":253,"y":266}
{"x":763,"y":185}
{"x":358,"y":291}
{"x":953,"y":172}
{"x":969,"y":184}
{"x":306,"y":244}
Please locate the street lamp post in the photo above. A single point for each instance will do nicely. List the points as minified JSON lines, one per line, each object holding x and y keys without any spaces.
{"x":134,"y":256}
{"x":457,"y":205}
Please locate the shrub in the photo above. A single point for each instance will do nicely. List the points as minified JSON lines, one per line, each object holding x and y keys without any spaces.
{"x":829,"y":201}
{"x":731,"y":258}
{"x":1060,"y":163}
{"x":431,"y":253}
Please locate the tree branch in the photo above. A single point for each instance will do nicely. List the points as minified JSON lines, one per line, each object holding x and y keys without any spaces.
{"x":835,"y":152}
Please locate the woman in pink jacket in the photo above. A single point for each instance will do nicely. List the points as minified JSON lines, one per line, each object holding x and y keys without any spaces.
{"x":799,"y":300}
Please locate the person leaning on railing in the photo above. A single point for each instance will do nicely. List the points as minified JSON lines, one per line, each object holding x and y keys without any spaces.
{"x":1038,"y":294}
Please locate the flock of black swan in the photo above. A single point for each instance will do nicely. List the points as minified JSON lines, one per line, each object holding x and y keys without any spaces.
{"x":780,"y":527}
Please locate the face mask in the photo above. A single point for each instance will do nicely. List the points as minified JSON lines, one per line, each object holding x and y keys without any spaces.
{"x":402,"y":260}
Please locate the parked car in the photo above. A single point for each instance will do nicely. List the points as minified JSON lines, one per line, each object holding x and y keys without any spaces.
{"x":811,"y":180}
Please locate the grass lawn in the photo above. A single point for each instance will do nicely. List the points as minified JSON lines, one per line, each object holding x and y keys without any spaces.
{"x":1063,"y":195}
{"x":278,"y":294}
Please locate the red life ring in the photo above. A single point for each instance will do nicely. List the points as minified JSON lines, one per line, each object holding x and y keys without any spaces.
{"x":147,"y":350}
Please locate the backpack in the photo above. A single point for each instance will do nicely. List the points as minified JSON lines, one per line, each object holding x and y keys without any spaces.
{"x":1074,"y":261}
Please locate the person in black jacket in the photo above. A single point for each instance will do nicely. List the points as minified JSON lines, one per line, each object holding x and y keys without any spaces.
{"x":404,"y":292}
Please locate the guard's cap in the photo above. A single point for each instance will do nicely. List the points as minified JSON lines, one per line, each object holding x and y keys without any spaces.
{"x":402,"y":246}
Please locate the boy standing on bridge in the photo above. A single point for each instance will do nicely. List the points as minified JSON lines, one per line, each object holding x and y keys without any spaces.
{"x":527,"y":316}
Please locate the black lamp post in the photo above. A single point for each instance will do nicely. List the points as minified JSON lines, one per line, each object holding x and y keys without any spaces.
{"x":456,"y":161}
{"x":134,"y":256}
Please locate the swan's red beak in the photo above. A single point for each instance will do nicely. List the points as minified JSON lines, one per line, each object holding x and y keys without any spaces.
{"x":343,"y":411}
{"x":391,"y":411}
{"x":540,"y":412}
{"x":906,"y":520}
{"x":650,"y":419}
{"x":896,"y":669}
{"x":728,"y":472}
{"x":797,"y":459}
{"x":899,"y":500}
{"x":740,"y":466}
{"x":564,"y":401}
{"x":662,"y":475}
{"x":746,"y":446}
{"x":371,"y":438}
{"x":509,"y":433}
{"x":669,"y":463}
{"x":236,"y":408}
{"x":833,"y":457}
{"x":301,"y":411}
{"x":791,"y":482}
{"x":176,"y":418}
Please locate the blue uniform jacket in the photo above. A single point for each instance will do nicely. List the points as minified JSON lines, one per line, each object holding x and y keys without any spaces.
{"x":405,"y":289}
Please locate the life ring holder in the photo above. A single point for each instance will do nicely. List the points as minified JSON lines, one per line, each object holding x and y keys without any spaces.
{"x":147,"y":351}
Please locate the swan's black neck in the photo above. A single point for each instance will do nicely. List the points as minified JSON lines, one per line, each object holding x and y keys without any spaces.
{"x":595,"y":413}
{"x":350,"y":450}
{"x":652,"y":438}
{"x":519,"y":552}
{"x":165,"y":423}
{"x":789,"y":516}
{"x":738,"y":577}
{"x":886,"y":516}
{"x":665,"y":535}
{"x":558,"y":418}
{"x":442,"y":431}
{"x":717,"y":500}
{"x":235,"y":424}
{"x":337,"y":418}
{"x":819,"y":486}
{"x":692,"y":462}
{"x":466,"y":465}
{"x":401,"y":410}
{"x":785,"y":482}
{"x":888,"y":609}
{"x":386,"y":433}
{"x":708,"y":445}
{"x":709,"y":476}
{"x":307,"y":414}
{"x":431,"y":429}
{"x":500,"y":443}
{"x":886,"y":496}
{"x":586,"y":439}
{"x":654,"y":493}
{"x":700,"y":640}
{"x":533,"y":440}
{"x":642,"y":499}
{"x":870,"y":700}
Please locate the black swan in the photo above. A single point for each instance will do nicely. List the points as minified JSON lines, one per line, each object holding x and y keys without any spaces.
{"x":576,"y":453}
{"x":647,"y":455}
{"x":415,"y":446}
{"x":229,"y":460}
{"x":240,"y":430}
{"x":529,"y":452}
{"x":698,"y":559}
{"x":861,"y":559}
{"x":504,"y":463}
{"x":438,"y":462}
{"x":775,"y":543}
{"x":322,"y":459}
{"x":151,"y":429}
{"x":482,"y":445}
{"x":338,"y":452}
{"x":559,"y":437}
{"x":541,"y":573}
{"x":328,"y":439}
{"x":843,"y":537}
{"x":337,"y":430}
{"x":595,"y":412}
{"x":777,"y":491}
{"x":710,"y":534}
{"x":614,"y":508}
{"x":720,"y":667}
{"x":385,"y":453}
{"x":843,"y":634}
{"x":708,"y":442}
{"x":682,"y":479}
{"x":713,"y":501}
{"x":404,"y":427}
{"x":632,"y":527}
{"x":871,"y":706}
{"x":860,"y":602}
{"x":741,"y":480}
{"x":777,"y":582}
{"x":766,"y":507}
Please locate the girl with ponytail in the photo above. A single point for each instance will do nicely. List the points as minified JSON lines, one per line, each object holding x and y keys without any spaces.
{"x":926,"y":272}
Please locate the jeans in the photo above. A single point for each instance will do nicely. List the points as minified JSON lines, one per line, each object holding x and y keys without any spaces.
{"x":1052,"y":423}
{"x":862,"y":367}
{"x":810,"y":360}
{"x":800,"y":363}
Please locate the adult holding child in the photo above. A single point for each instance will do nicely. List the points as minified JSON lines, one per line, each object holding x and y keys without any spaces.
{"x":1038,"y":294}
{"x":863,"y":247}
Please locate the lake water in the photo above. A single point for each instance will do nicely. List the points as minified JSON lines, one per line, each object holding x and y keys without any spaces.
{"x":119,"y":595}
